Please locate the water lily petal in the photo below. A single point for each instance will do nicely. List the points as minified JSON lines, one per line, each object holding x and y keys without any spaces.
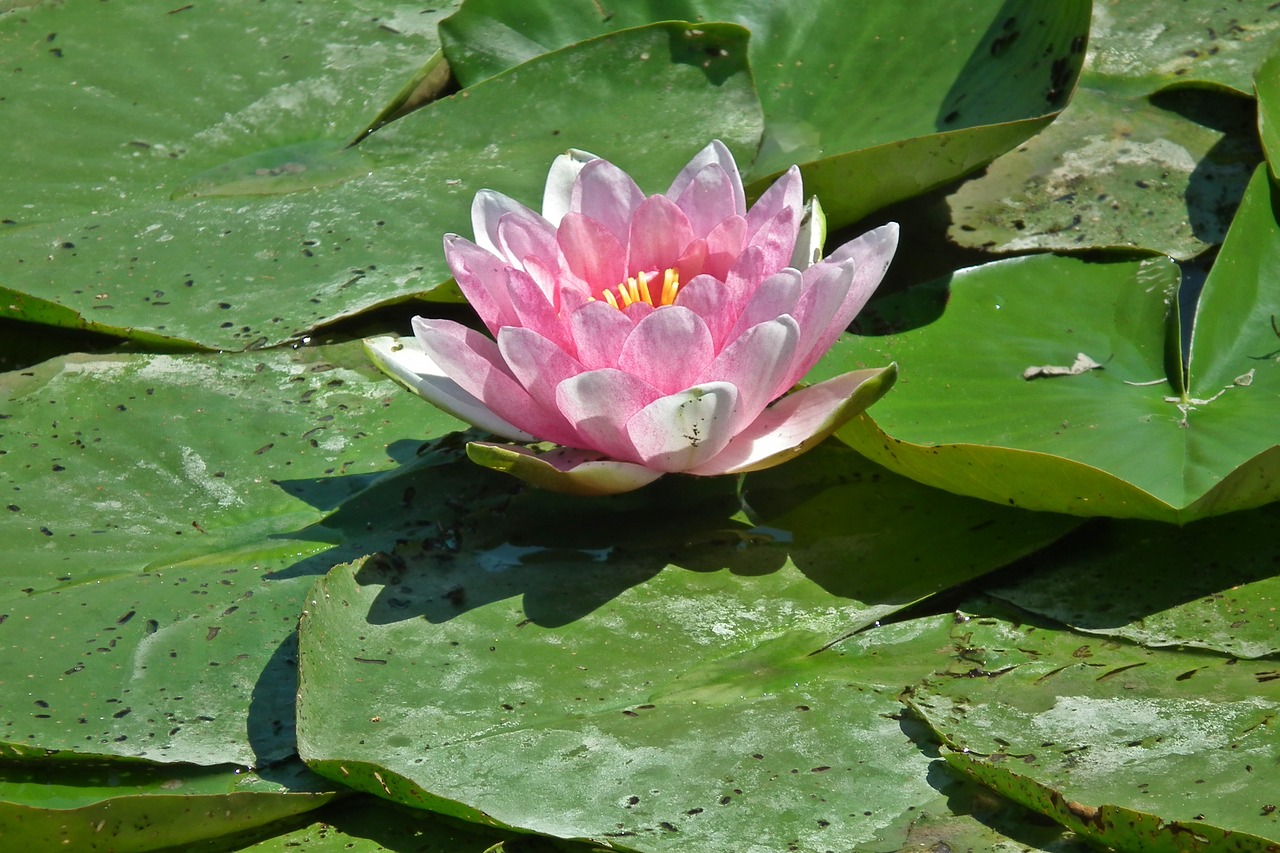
{"x":534,"y":310}
{"x":668,"y":349}
{"x":659,"y":234}
{"x":799,"y":421}
{"x":826,"y":288}
{"x":680,"y":431}
{"x":755,"y":363}
{"x":591,"y":252}
{"x":776,"y":237}
{"x":598,"y":405}
{"x":565,"y":469}
{"x":776,"y":295}
{"x":475,"y":364}
{"x":714,"y":154}
{"x":786,"y":193}
{"x":745,"y":276}
{"x":608,"y":195}
{"x":724,"y":244}
{"x":538,"y":364}
{"x":599,"y":331}
{"x":557,"y":196}
{"x":482,"y":277}
{"x":523,"y":236}
{"x":872,"y":253}
{"x":404,"y":360}
{"x":487,"y":210}
{"x":708,"y":199}
{"x":710,"y":299}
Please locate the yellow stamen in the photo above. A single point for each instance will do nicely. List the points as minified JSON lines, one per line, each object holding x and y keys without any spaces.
{"x":670,"y":284}
{"x":643,"y":281}
{"x":637,"y":290}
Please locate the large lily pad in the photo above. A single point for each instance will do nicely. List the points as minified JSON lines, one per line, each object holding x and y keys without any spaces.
{"x":1116,"y":172}
{"x":1119,"y":434}
{"x":155,"y":619}
{"x":830,"y":80}
{"x":1217,"y":586}
{"x":277,"y":227}
{"x":1138,"y":46}
{"x":133,"y":807}
{"x":1135,"y":748}
{"x":567,"y":666}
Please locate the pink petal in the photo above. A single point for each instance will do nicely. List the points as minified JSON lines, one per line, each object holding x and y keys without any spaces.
{"x":591,"y":252}
{"x":776,"y":295}
{"x":487,"y":210}
{"x":693,"y":261}
{"x":755,"y":363}
{"x":709,"y":299}
{"x":714,"y":154}
{"x":668,"y":349}
{"x":558,"y":194}
{"x":537,"y":363}
{"x":872,"y":253}
{"x":659,"y":234}
{"x":552,"y":280}
{"x":746,"y":274}
{"x":482,"y":277}
{"x":724,"y":244}
{"x":608,"y":195}
{"x":679,"y":432}
{"x":786,"y":193}
{"x":527,"y":235}
{"x":799,"y":421}
{"x":776,"y":238}
{"x":598,"y":404}
{"x":565,"y":469}
{"x":637,"y":311}
{"x":404,"y":360}
{"x":534,"y":311}
{"x":599,"y":331}
{"x":826,"y":288}
{"x":709,"y":198}
{"x":475,"y":364}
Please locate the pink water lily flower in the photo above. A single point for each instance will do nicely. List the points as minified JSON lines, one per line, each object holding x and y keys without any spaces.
{"x":646,"y":334}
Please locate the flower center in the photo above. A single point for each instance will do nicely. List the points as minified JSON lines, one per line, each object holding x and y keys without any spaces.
{"x":637,"y":290}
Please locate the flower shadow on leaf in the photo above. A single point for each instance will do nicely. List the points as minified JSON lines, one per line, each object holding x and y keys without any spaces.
{"x":448,"y":536}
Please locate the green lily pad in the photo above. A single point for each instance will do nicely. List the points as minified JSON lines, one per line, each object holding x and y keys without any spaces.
{"x":1218,"y":586}
{"x":586,"y":669}
{"x":1134,"y":748}
{"x":994,"y":400}
{"x":1268,"y":88}
{"x":1139,"y":46}
{"x":830,"y":77}
{"x":277,"y":228}
{"x":1116,"y":172}
{"x":366,"y":824}
{"x":165,"y":509}
{"x":133,"y":807}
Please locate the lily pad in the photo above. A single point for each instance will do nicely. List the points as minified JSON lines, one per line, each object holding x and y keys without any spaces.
{"x":1139,"y":46}
{"x":1116,"y":172}
{"x":1134,"y":748}
{"x":566,"y":666}
{"x":830,"y":78}
{"x":1125,"y":440}
{"x":133,"y":807}
{"x":156,"y":619}
{"x":1217,"y":589}
{"x":276,"y":227}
